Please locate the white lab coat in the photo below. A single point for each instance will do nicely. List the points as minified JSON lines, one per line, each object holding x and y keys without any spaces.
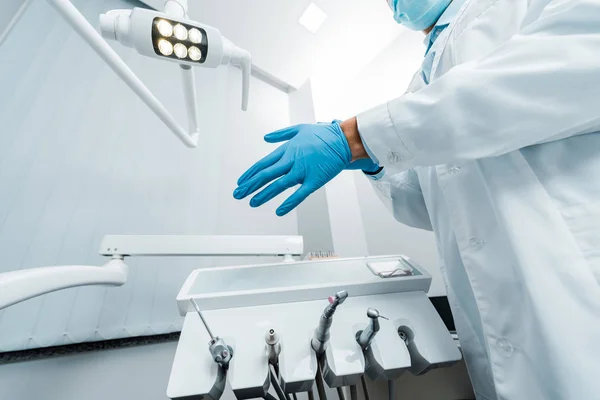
{"x":500,"y":156}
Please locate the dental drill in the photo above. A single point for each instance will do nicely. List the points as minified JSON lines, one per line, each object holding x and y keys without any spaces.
{"x":364,"y":339}
{"x":321,"y":337}
{"x":220,"y":352}
{"x":273,"y":349}
{"x":366,"y":336}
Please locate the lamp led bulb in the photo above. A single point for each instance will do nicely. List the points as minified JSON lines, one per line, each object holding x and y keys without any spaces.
{"x":180,"y":50}
{"x":180,"y":32}
{"x":195,"y":53}
{"x":165,"y":47}
{"x":195,"y":35}
{"x":165,"y":28}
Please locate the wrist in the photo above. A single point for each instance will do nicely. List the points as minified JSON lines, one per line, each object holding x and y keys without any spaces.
{"x":350,"y":129}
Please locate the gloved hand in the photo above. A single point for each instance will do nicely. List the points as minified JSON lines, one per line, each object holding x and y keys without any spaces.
{"x":312,"y":156}
{"x":366,"y":164}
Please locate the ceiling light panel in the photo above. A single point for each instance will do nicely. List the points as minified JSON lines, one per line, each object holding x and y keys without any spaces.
{"x":312,"y":18}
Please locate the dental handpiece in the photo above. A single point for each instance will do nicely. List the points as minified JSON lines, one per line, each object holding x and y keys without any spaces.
{"x":212,"y":337}
{"x":366,"y":336}
{"x":221,"y":353}
{"x":321,"y":335}
{"x":273,"y":346}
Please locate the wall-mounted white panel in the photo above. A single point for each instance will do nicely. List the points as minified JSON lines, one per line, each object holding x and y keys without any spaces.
{"x":81,"y":157}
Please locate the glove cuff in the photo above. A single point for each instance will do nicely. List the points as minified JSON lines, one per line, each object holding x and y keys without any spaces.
{"x":371,"y":173}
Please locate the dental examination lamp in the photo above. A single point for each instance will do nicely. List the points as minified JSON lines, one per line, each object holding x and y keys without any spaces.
{"x":167,"y":35}
{"x":170,"y":36}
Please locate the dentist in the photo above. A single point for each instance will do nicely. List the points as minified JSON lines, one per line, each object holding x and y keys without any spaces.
{"x":496,"y":148}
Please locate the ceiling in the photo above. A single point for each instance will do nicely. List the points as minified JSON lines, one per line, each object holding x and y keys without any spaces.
{"x":353,"y":34}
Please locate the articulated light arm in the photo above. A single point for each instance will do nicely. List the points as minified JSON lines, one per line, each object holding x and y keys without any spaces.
{"x":241,"y":58}
{"x":138,"y":28}
{"x":231,"y":54}
{"x":178,"y":8}
{"x":112,"y":59}
{"x":18,"y":286}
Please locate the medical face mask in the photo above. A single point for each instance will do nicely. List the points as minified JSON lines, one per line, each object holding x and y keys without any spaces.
{"x":418,"y":14}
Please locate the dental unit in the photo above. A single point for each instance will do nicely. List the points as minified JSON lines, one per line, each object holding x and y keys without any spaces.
{"x":266,"y":312}
{"x":265,"y":316}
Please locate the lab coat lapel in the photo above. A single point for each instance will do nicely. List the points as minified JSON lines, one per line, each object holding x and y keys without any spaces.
{"x":468,"y":12}
{"x":416,"y":84}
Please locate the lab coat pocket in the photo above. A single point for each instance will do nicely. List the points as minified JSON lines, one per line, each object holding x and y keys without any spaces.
{"x":583,"y":221}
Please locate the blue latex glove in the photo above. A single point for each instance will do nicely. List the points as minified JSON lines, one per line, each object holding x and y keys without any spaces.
{"x":366,"y":164}
{"x":312,"y":156}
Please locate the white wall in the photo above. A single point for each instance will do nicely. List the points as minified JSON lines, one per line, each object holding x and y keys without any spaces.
{"x":81,"y":157}
{"x":313,"y":216}
{"x":9,"y":11}
{"x":360,"y":223}
{"x":386,"y":77}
